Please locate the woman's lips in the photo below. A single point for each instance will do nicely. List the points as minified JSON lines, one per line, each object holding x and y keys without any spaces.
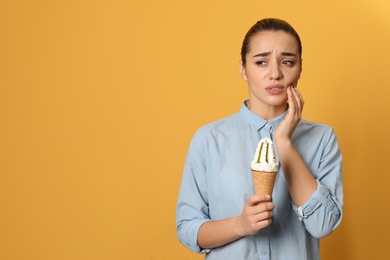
{"x":275,"y":89}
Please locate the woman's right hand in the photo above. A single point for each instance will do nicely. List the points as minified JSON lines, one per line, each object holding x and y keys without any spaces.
{"x":256,"y":215}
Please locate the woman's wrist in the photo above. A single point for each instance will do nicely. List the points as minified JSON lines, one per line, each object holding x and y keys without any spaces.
{"x":283,"y":143}
{"x":238,"y":228}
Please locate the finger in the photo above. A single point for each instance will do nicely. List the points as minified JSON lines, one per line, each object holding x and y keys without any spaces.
{"x":298,"y":101}
{"x":301,"y":100}
{"x":264,"y":223}
{"x":256,"y":199}
{"x":298,"y":107}
{"x":266,"y":206}
{"x":264,"y":211}
{"x":299,"y":95}
{"x":264,"y":198}
{"x":291,"y":100}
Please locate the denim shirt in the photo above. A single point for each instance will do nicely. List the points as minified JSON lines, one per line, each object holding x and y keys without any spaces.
{"x":217,"y":182}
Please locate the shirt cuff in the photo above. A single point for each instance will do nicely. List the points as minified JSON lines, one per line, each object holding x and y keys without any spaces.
{"x":300,"y":213}
{"x":318,"y":198}
{"x":190,"y":238}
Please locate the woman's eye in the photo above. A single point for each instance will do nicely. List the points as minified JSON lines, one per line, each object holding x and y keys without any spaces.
{"x":288,"y":62}
{"x":261,"y":62}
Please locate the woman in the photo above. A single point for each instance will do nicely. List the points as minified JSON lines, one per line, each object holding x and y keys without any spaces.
{"x":217,"y":213}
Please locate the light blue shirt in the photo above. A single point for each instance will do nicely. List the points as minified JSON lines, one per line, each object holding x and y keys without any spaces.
{"x":217,"y":182}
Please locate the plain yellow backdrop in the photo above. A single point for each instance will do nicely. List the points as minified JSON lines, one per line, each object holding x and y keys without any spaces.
{"x":99,"y":101}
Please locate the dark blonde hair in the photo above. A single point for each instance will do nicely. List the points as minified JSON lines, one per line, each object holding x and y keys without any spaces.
{"x":268,"y":24}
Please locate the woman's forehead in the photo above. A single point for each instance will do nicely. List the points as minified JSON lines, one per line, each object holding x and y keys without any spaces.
{"x":270,"y":40}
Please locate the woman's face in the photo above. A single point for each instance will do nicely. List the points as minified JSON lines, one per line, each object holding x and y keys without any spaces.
{"x":272,"y":64}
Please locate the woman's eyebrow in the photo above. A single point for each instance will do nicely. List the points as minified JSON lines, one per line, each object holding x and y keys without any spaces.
{"x":265,"y":54}
{"x":288,"y":54}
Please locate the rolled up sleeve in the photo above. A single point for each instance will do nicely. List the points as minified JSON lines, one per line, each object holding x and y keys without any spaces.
{"x":322,"y":213}
{"x":192,"y":206}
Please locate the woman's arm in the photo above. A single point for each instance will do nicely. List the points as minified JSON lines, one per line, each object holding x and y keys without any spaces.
{"x":318,"y":202}
{"x":196,"y":230}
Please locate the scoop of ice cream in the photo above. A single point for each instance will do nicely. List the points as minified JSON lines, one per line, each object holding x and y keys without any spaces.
{"x":264,"y":159}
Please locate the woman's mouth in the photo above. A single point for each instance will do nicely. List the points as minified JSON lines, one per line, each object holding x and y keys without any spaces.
{"x":275,"y":89}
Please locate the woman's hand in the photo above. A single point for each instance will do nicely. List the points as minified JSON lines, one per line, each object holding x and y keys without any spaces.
{"x":256,"y":215}
{"x":287,"y":127}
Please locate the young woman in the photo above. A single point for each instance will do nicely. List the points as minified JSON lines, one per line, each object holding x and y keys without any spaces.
{"x":217,"y":213}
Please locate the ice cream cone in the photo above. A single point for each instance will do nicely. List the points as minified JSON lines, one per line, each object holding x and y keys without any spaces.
{"x":264,"y":167}
{"x":264,"y":182}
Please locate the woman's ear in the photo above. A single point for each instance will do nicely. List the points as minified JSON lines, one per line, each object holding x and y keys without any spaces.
{"x":242,"y":70}
{"x":301,"y":64}
{"x":301,"y":69}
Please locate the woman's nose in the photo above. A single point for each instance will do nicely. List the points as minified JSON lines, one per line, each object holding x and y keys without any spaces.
{"x":275,"y":72}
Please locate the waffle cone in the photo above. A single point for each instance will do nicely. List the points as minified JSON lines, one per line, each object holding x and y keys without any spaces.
{"x":264,"y":182}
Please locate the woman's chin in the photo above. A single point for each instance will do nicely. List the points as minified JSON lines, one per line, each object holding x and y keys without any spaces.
{"x":279,"y":101}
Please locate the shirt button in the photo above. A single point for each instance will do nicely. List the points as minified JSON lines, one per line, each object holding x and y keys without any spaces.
{"x":264,"y":252}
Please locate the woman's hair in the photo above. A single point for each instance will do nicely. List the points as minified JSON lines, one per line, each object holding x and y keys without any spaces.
{"x":268,"y":24}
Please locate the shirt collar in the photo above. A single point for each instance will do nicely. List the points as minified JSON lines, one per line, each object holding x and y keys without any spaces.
{"x":256,"y":121}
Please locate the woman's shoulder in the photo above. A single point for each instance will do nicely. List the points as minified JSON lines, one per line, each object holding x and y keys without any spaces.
{"x":311,"y":124}
{"x":219,"y":126}
{"x":307,"y":127}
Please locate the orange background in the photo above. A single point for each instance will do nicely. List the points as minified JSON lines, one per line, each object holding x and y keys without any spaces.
{"x":99,"y":101}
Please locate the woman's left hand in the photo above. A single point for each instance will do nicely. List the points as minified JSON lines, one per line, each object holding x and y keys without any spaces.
{"x":287,"y":127}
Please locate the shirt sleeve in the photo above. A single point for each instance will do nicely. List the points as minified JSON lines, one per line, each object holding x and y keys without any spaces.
{"x":322,"y":213}
{"x":192,"y":205}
